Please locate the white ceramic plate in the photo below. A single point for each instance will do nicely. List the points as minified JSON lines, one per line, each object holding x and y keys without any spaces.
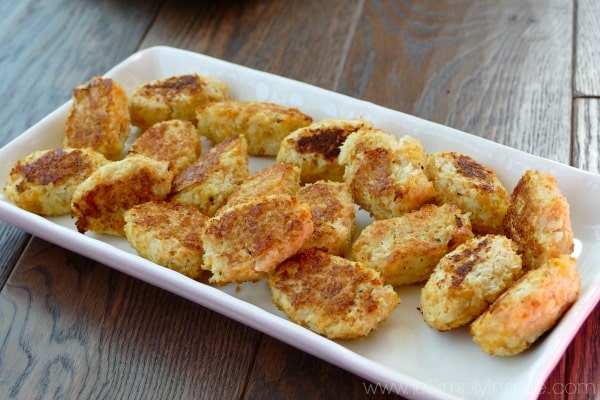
{"x":403,"y":355}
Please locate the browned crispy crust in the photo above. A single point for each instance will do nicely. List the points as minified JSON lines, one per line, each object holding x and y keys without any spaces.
{"x":208,"y":183}
{"x":55,"y":166}
{"x":468,"y":279}
{"x":373,"y":175}
{"x":212,"y":159}
{"x":538,"y":219}
{"x":174,"y":141}
{"x":99,"y":203}
{"x":248,"y":241}
{"x":406,"y":249}
{"x":99,"y":118}
{"x":330,"y":295}
{"x":325,"y":142}
{"x":386,"y":173}
{"x":333,"y":215}
{"x":44,"y":182}
{"x":175,"y":97}
{"x":315,"y":148}
{"x":168,"y":234}
{"x":472,"y":186}
{"x":274,"y":180}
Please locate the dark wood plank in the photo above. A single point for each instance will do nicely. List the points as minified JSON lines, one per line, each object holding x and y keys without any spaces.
{"x":586,"y":131}
{"x":278,"y":365}
{"x":497,"y":69}
{"x":587,"y":55}
{"x":49,"y":47}
{"x":71,"y":328}
{"x":12,"y":242}
{"x":553,"y":388}
{"x":582,"y":380}
{"x":264,"y":35}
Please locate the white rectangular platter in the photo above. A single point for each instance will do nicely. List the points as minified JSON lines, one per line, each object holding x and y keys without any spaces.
{"x":404,"y":355}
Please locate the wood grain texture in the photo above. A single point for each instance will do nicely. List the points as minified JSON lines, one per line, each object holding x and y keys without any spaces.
{"x":277,"y":365}
{"x":75,"y":39}
{"x":497,"y":69}
{"x":71,"y":328}
{"x":582,"y":380}
{"x":12,"y":243}
{"x":587,"y":74}
{"x":586,"y":131}
{"x":553,"y":387}
{"x":264,"y":35}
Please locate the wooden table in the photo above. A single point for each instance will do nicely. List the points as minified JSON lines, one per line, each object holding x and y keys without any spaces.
{"x":520,"y":72}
